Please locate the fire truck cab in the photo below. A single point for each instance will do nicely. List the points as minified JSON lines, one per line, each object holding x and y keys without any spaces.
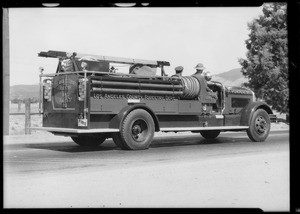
{"x":88,"y":100}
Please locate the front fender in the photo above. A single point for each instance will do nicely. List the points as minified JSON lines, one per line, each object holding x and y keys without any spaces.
{"x":117,"y":120}
{"x":248,"y":111}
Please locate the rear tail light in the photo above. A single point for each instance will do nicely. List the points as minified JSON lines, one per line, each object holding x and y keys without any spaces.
{"x":81,"y":120}
{"x":81,"y":89}
{"x":47,"y":90}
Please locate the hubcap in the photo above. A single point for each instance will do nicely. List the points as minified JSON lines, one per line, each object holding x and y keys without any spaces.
{"x":260,"y":125}
{"x":136,"y":129}
{"x":139,"y":130}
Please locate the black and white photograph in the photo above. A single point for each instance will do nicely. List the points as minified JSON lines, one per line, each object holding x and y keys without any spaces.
{"x":134,"y":106}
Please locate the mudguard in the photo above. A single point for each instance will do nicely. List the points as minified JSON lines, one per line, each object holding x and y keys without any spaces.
{"x":117,"y":120}
{"x":247,"y":112}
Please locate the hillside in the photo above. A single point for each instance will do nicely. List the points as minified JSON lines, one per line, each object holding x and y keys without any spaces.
{"x":24,"y":91}
{"x":231,"y":78}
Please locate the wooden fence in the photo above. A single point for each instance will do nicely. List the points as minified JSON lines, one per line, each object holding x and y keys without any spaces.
{"x":27,"y":115}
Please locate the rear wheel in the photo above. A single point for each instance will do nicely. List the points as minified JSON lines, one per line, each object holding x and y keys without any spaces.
{"x":210,"y":134}
{"x":117,"y":140}
{"x":137,"y":131}
{"x":259,"y":126}
{"x":89,"y":140}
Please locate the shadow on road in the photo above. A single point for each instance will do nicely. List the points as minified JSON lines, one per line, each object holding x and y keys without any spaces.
{"x":71,"y":147}
{"x":185,"y":141}
{"x":158,"y":142}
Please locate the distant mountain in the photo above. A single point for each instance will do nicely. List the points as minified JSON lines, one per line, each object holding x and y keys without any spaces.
{"x":233,"y":77}
{"x":24,"y":91}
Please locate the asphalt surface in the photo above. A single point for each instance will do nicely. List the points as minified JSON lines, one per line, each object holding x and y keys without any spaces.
{"x":55,"y":172}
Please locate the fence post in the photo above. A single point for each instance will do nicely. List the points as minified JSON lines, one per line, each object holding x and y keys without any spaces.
{"x":27,"y":117}
{"x":19,"y":105}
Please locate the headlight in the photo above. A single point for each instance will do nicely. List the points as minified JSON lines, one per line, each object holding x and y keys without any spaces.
{"x":207,"y":76}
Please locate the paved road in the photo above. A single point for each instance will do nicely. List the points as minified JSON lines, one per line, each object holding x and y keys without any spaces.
{"x":183,"y":170}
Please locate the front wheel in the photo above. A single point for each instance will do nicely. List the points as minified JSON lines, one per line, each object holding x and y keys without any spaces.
{"x":89,"y":140}
{"x":259,"y":126}
{"x":136,"y":132}
{"x":210,"y":134}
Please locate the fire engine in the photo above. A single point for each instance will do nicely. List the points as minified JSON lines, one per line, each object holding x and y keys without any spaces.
{"x":88,"y":100}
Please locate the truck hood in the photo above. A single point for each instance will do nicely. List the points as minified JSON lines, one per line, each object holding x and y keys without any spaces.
{"x":238,"y":90}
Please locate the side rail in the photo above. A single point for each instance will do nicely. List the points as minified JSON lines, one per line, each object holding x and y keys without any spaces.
{"x":110,"y":74}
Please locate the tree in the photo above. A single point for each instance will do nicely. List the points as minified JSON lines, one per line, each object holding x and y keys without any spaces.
{"x":266,"y":66}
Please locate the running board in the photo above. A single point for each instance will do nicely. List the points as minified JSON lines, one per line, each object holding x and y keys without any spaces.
{"x":105,"y":130}
{"x":78,"y":131}
{"x":204,"y":128}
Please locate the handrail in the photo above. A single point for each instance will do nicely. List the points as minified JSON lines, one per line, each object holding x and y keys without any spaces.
{"x":108,"y":73}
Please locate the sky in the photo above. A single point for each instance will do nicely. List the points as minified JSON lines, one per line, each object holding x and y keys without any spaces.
{"x":213,"y":36}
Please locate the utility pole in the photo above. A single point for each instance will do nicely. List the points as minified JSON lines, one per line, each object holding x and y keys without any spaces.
{"x":6,"y":71}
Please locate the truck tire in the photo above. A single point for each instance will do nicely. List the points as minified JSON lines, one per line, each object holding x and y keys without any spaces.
{"x":210,"y":134}
{"x":137,"y":131}
{"x":89,"y":140}
{"x":117,"y":140}
{"x":259,"y":126}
